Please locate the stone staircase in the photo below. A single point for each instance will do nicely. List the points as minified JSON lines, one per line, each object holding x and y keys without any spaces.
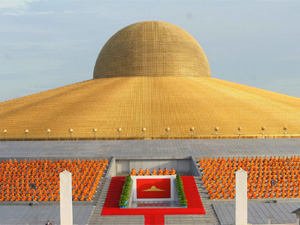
{"x":208,"y":219}
{"x":97,"y":219}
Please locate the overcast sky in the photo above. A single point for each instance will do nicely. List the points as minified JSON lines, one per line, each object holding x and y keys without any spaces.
{"x":46,"y":44}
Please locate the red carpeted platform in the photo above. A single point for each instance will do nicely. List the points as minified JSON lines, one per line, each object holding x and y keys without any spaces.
{"x":153,"y":215}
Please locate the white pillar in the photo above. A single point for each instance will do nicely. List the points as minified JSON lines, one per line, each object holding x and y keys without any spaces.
{"x":241,"y":213}
{"x":66,"y":210}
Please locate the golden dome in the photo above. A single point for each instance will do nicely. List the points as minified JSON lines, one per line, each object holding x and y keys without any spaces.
{"x":158,"y":86}
{"x":151,"y":48}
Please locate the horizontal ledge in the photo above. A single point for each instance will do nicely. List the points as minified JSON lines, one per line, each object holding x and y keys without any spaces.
{"x":147,"y":138}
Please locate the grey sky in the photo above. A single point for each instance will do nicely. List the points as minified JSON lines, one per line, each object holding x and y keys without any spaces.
{"x":46,"y":44}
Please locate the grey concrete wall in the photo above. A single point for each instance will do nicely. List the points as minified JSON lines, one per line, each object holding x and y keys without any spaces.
{"x":111,"y":171}
{"x":184,"y":166}
{"x":194,"y":167}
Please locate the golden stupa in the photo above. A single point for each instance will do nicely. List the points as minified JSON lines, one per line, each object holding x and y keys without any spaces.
{"x":151,"y":80}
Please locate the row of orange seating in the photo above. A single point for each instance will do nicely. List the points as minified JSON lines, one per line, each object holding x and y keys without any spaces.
{"x":38,"y":180}
{"x":268,"y":177}
{"x":147,"y":172}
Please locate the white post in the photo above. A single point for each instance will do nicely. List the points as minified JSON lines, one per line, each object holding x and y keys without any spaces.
{"x":241,"y":214}
{"x":66,"y":210}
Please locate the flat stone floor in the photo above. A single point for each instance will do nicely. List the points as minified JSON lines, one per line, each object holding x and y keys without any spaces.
{"x":259,"y":212}
{"x":40,"y":214}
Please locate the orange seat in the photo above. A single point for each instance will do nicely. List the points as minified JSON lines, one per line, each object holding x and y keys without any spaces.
{"x":39,"y":179}
{"x":265,"y":175}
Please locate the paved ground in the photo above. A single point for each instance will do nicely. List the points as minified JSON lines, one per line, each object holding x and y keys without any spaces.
{"x":39,"y":215}
{"x":148,"y":148}
{"x":259,"y":212}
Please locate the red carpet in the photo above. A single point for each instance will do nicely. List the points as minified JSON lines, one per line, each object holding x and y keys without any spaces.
{"x":113,"y":195}
{"x":153,"y":215}
{"x":154,"y":220}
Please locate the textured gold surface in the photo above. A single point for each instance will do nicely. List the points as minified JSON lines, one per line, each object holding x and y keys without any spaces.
{"x":154,"y":103}
{"x":151,"y":49}
{"x":155,"y":83}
